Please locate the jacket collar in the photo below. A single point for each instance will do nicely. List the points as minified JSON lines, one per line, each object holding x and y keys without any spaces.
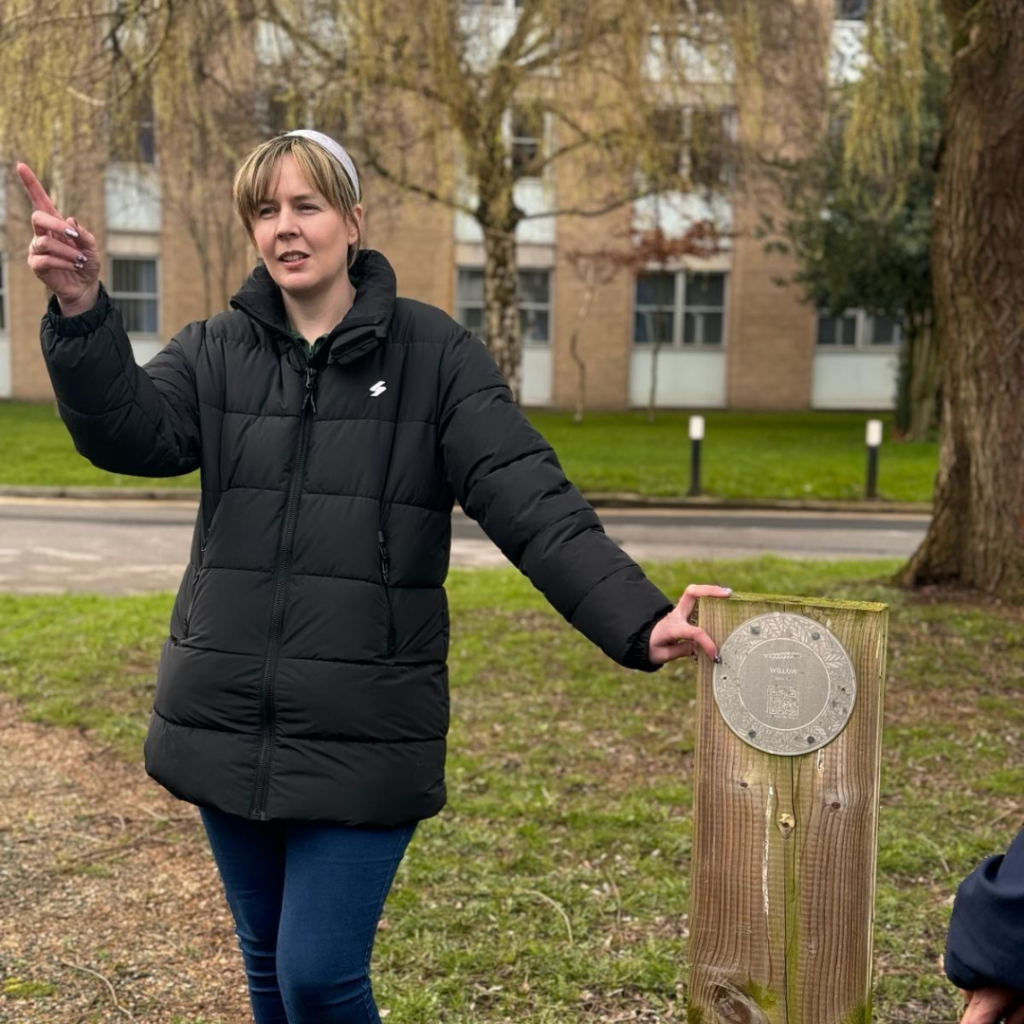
{"x":363,"y":327}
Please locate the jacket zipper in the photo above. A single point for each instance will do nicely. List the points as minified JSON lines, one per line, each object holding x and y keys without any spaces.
{"x":391,"y":639}
{"x":389,"y":643}
{"x":284,"y":557}
{"x":192,"y":596}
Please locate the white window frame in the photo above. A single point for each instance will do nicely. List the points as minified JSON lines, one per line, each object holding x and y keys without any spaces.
{"x":137,"y":258}
{"x":864,"y":328}
{"x":679,"y":309}
{"x":520,"y":306}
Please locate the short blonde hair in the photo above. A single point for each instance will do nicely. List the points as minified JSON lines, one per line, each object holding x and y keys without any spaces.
{"x":323,"y":172}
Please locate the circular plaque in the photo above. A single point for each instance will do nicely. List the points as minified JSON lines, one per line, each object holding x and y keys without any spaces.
{"x":785,"y":684}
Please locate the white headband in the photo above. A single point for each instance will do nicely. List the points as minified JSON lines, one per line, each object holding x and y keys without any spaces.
{"x":335,"y":149}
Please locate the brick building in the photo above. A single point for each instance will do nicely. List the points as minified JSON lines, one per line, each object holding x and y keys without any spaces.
{"x":732,"y":336}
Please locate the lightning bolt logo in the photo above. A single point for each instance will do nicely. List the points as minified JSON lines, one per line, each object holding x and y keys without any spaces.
{"x":378,"y":389}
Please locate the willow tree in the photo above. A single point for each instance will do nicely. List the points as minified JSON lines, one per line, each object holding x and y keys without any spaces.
{"x":976,"y":537}
{"x":442,"y":99}
{"x":86,"y":79}
{"x":860,"y":223}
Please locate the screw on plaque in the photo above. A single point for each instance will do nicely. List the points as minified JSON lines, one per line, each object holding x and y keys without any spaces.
{"x":755,"y":629}
{"x":815,"y":636}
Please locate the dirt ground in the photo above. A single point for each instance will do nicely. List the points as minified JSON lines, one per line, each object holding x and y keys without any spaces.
{"x":110,"y":904}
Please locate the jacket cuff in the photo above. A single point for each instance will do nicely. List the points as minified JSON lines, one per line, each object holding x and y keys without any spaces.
{"x":961,"y":974}
{"x":637,"y":655}
{"x":83,"y":323}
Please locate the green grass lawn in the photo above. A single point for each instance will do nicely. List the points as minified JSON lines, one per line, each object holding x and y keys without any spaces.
{"x":745,"y":455}
{"x":554,"y":886}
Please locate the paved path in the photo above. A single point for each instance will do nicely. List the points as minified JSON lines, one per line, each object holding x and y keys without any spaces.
{"x":53,"y":546}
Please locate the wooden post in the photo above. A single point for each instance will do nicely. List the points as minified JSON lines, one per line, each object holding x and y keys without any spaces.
{"x":783,"y":880}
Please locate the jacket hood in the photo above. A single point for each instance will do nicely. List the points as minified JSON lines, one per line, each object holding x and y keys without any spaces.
{"x":363,"y":326}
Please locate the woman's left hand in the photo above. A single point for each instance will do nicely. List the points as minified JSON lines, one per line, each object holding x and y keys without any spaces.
{"x":675,"y":636}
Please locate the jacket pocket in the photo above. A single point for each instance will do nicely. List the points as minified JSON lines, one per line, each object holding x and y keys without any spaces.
{"x":389,"y":621}
{"x":187,"y":620}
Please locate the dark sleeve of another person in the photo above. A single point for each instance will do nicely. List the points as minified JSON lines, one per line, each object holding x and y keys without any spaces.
{"x":985,"y":945}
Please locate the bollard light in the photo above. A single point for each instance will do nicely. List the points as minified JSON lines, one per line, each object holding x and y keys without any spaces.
{"x":696,"y":436}
{"x":874,"y":440}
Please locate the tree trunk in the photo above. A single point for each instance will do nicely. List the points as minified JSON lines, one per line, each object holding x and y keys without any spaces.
{"x":918,"y":384}
{"x":589,"y":290}
{"x":976,"y":538}
{"x":902,"y":415}
{"x":501,"y":309}
{"x":653,"y":391}
{"x":924,"y":382}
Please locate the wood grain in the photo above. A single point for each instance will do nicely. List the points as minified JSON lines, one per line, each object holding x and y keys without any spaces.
{"x":783,"y":885}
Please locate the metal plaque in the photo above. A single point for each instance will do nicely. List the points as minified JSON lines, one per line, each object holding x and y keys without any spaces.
{"x":785,"y":684}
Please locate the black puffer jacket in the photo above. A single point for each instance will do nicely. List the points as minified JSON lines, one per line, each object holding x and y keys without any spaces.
{"x":304,"y":676}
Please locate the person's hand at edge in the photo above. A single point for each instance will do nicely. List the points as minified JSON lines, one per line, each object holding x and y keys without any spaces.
{"x":992,"y":1005}
{"x":62,"y":253}
{"x":675,"y":636}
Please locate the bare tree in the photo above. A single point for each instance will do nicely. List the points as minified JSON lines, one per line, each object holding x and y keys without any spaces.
{"x":595,"y":271}
{"x":445,"y":100}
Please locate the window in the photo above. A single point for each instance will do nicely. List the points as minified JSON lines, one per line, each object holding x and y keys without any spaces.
{"x":274,"y":110}
{"x":134,"y":292}
{"x":655,"y":309}
{"x":138,"y":144}
{"x":703,"y":309}
{"x":668,"y":129}
{"x":855,"y":329}
{"x":837,"y":330}
{"x":885,"y":331}
{"x":534,"y":303}
{"x":708,"y":149}
{"x":3,"y":296}
{"x":527,"y":141}
{"x":694,"y":143}
{"x":852,"y":10}
{"x":685,"y":309}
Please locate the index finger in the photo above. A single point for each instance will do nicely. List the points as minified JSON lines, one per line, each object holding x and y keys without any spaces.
{"x":695,"y":590}
{"x":36,"y":192}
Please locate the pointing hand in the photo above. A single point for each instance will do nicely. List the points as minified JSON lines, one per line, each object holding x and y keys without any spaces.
{"x":62,"y":254}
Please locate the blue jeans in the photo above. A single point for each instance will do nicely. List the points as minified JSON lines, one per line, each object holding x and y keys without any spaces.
{"x":306,"y":897}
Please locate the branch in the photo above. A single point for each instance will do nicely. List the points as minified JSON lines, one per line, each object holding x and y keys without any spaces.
{"x":578,"y":211}
{"x":110,"y":988}
{"x":372,"y":160}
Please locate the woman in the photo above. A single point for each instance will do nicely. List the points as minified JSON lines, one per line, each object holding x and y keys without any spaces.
{"x":301,"y":698}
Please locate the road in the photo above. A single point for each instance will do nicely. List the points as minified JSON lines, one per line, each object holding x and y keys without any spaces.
{"x":53,"y":546}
